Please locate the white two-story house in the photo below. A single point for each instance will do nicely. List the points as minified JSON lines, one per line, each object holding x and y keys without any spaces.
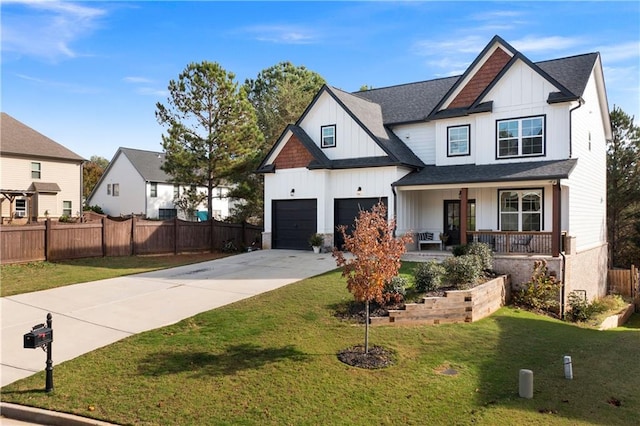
{"x":39,"y":178}
{"x":134,"y":183}
{"x":511,"y":153}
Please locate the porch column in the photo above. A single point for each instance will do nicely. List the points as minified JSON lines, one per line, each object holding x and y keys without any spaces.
{"x":556,"y":220}
{"x":464,"y":192}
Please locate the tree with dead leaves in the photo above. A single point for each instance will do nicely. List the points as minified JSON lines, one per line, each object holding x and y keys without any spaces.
{"x":376,"y":257}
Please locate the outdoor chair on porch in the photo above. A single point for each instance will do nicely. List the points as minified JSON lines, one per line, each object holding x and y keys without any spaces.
{"x":522,"y":244}
{"x":427,"y":238}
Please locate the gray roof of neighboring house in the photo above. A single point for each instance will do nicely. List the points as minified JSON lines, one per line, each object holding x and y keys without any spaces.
{"x":501,"y":172}
{"x":147,"y":163}
{"x":17,"y":138}
{"x":413,"y":102}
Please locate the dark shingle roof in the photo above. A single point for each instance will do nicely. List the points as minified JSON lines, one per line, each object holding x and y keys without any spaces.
{"x":16,"y":138}
{"x":502,"y":172}
{"x":415,"y":101}
{"x":147,"y":163}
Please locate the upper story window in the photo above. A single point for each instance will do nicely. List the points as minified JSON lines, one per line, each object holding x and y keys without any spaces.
{"x":153,"y":191}
{"x":116,"y":189}
{"x":176,"y":191}
{"x":521,"y":210}
{"x":328,"y":134}
{"x":458,"y":142}
{"x":108,"y":189}
{"x":521,"y":137}
{"x":36,"y":171}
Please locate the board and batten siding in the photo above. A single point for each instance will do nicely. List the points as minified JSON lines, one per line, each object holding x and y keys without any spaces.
{"x":16,"y":175}
{"x":351,"y":140}
{"x":420,"y":138}
{"x":587,"y":183}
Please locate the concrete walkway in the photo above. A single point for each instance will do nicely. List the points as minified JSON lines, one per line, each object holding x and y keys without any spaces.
{"x":91,"y":315}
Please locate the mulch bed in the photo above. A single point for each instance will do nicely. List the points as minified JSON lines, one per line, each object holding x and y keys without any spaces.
{"x":377,"y":357}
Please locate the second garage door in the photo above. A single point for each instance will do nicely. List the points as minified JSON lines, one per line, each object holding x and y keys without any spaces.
{"x":346,"y":210}
{"x":293,"y":222}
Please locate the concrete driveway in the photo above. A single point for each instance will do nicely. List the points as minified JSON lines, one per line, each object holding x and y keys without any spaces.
{"x":91,"y":315}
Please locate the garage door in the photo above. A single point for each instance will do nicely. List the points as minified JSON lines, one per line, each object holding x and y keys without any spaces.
{"x":293,"y":222}
{"x":346,"y":210}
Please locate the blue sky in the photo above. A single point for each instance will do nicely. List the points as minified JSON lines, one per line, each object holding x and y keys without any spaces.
{"x":89,"y":74}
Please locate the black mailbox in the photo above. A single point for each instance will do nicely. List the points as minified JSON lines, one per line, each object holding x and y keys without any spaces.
{"x":38,"y":336}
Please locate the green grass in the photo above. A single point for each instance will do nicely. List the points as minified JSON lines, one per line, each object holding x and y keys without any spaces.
{"x":36,"y":276}
{"x":272,"y":359}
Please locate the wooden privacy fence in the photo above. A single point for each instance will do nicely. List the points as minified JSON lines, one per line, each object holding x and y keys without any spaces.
{"x":59,"y":241}
{"x":624,"y":281}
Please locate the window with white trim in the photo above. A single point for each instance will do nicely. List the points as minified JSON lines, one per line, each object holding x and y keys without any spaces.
{"x":67,"y":209}
{"x":108,"y":189}
{"x":520,"y":137}
{"x":153,"y":190}
{"x":458,"y":142}
{"x":328,"y":136}
{"x":36,"y":170}
{"x":21,"y":207}
{"x":521,"y":210}
{"x":116,"y":189}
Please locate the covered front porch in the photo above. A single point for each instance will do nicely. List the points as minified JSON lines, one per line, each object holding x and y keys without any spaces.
{"x":516,"y":208}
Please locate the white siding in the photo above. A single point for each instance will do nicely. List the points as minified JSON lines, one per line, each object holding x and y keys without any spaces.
{"x":351,"y":140}
{"x":132,"y":196}
{"x":16,"y":175}
{"x":420,"y":138}
{"x":326,"y":186}
{"x":587,"y":183}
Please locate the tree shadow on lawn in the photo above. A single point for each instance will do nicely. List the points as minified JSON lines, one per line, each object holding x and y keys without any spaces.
{"x":235,"y":358}
{"x":602,"y":362}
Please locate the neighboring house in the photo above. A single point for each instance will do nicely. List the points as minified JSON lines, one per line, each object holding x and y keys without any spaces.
{"x":512,"y":153}
{"x":134,"y":183}
{"x":39,"y":178}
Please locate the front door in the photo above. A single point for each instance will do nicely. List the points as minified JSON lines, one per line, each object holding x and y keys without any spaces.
{"x":452,"y":219}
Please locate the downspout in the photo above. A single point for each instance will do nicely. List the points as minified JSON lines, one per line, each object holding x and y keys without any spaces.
{"x":395,"y":209}
{"x":580,"y":103}
{"x":564,"y":259}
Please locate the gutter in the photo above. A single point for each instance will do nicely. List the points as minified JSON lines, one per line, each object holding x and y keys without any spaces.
{"x":580,"y":103}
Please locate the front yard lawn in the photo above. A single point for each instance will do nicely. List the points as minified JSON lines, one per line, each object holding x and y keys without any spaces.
{"x":272,"y":359}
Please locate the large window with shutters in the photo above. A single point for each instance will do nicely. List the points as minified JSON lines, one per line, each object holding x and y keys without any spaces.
{"x":521,"y":210}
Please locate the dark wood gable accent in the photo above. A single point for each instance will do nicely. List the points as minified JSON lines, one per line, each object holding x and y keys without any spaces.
{"x":483,"y":77}
{"x":293,"y":155}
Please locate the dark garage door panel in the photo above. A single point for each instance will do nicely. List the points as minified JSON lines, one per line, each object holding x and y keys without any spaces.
{"x":346,"y":210}
{"x":293,"y":223}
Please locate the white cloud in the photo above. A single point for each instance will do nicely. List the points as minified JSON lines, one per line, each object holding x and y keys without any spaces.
{"x":620,"y":52}
{"x":545,"y":44}
{"x":46,"y":29}
{"x":283,"y":34}
{"x":58,"y":85}
{"x":137,"y":80}
{"x":148,"y":91}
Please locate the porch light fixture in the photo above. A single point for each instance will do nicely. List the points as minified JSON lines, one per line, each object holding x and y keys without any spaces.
{"x":359,"y":191}
{"x":293,"y":192}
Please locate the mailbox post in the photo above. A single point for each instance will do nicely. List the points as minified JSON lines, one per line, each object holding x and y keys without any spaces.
{"x":41,"y":336}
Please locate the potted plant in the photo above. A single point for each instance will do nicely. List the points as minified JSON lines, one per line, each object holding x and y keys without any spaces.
{"x":316,"y":241}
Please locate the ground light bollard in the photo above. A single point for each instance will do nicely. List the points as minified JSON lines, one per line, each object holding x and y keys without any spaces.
{"x":42,"y":337}
{"x":568,"y":368}
{"x":525,"y":385}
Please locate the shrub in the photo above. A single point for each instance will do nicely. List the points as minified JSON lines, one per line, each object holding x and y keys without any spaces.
{"x":459,"y":250}
{"x":542,"y":292}
{"x":95,"y":208}
{"x":428,"y":276}
{"x":462,"y":271}
{"x":64,"y":218}
{"x":483,"y":251}
{"x":395,"y":290}
{"x":580,"y":310}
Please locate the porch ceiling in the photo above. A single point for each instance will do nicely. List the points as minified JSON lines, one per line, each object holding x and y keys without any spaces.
{"x":503,"y":172}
